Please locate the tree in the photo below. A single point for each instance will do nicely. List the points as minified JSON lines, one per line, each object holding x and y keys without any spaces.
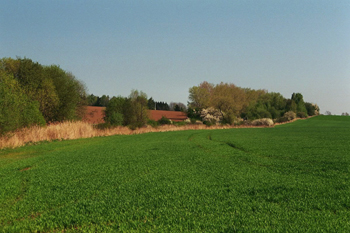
{"x":300,"y":104}
{"x":268,"y":105}
{"x":291,"y":105}
{"x":115,"y":111}
{"x":151,"y":104}
{"x":35,"y":84}
{"x":92,"y":100}
{"x":17,"y":110}
{"x":139,"y":108}
{"x":328,"y":113}
{"x":103,"y":101}
{"x":312,"y":109}
{"x":162,"y":106}
{"x":177,"y":106}
{"x":59,"y":94}
{"x":200,"y":96}
{"x":71,"y":94}
{"x":345,"y":114}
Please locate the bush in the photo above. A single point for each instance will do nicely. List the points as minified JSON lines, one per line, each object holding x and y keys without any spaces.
{"x":180,"y":123}
{"x":194,"y":113}
{"x":193,"y":120}
{"x":229,"y":118}
{"x":164,"y":121}
{"x":208,"y":123}
{"x":153,"y":123}
{"x":211,"y":114}
{"x":288,"y":116}
{"x":263,"y":122}
{"x":301,"y":114}
{"x":115,"y":118}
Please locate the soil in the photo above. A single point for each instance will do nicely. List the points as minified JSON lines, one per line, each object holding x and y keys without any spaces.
{"x":172,"y":115}
{"x":94,"y":115}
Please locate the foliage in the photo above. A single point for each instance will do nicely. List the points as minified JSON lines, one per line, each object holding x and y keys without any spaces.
{"x":177,"y":106}
{"x":211,"y":115}
{"x":268,"y":105}
{"x":164,"y":121}
{"x":279,"y":179}
{"x":200,"y":96}
{"x":290,"y":116}
{"x":115,"y":110}
{"x":229,"y":118}
{"x":263,"y":122}
{"x":93,"y":100}
{"x":312,"y":109}
{"x":153,"y":123}
{"x":301,"y":115}
{"x":193,"y":120}
{"x":162,"y":106}
{"x":71,"y":93}
{"x":132,"y":111}
{"x":194,"y":113}
{"x":59,"y":94}
{"x":138,"y":108}
{"x":234,"y":102}
{"x":299,"y":101}
{"x":151,"y":104}
{"x":180,"y":123}
{"x":16,"y":109}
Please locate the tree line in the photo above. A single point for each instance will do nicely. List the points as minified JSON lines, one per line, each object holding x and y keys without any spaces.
{"x":132,"y":110}
{"x":34,"y":94}
{"x":235,"y":102}
{"x":93,"y":100}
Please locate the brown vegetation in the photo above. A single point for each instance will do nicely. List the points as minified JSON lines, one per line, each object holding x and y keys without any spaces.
{"x":79,"y":129}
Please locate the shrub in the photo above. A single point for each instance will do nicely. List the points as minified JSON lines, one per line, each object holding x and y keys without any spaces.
{"x":301,"y":115}
{"x":193,"y":120}
{"x":180,"y":123}
{"x":211,"y":115}
{"x":115,"y":118}
{"x":164,"y":121}
{"x":208,"y":123}
{"x":263,"y":122}
{"x":288,"y":116}
{"x":229,"y":118}
{"x":153,"y":123}
{"x":194,"y":113}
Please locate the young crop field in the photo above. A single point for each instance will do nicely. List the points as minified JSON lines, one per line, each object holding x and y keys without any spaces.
{"x":289,"y":178}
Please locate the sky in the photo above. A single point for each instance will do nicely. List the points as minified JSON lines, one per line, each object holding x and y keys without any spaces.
{"x":165,"y":47}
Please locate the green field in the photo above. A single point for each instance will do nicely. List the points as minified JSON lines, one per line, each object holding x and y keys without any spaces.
{"x":290,"y":178}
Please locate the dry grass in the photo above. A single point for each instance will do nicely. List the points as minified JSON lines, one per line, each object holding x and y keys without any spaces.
{"x":80,"y":129}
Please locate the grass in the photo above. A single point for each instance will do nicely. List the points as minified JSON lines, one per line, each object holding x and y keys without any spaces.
{"x":74,"y":130}
{"x":290,"y":178}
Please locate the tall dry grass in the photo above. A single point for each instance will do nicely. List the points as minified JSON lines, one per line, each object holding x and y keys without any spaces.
{"x":79,"y":129}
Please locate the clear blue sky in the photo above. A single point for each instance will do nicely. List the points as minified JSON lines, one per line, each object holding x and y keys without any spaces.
{"x":164,"y":47}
